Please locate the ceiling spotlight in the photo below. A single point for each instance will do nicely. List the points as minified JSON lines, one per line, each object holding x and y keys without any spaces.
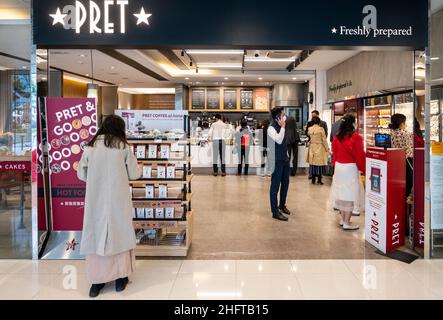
{"x":44,"y":78}
{"x":294,"y":78}
{"x":190,"y":63}
{"x":260,"y":78}
{"x":226,"y":78}
{"x":186,"y":78}
{"x":82,"y":55}
{"x":24,"y":67}
{"x":257,"y":54}
{"x":183,"y":53}
{"x":241,"y":83}
{"x":112,"y":67}
{"x":435,"y":58}
{"x":87,"y":74}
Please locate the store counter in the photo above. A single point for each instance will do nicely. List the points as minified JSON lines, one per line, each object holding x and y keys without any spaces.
{"x":202,"y":156}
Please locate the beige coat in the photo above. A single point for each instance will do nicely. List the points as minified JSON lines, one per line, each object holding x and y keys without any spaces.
{"x":318,"y":151}
{"x":107,"y":224}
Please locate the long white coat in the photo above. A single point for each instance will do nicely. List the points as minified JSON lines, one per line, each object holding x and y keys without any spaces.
{"x":107,"y":224}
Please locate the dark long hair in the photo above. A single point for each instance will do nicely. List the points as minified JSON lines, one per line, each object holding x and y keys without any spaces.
{"x":396,"y":121}
{"x":113,"y":130}
{"x":346,"y":127}
{"x":417,"y":129}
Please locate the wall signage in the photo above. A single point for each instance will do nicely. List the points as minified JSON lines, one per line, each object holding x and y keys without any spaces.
{"x":337,"y":87}
{"x":246,"y":23}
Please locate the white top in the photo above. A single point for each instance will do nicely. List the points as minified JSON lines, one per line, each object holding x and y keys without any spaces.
{"x":277,"y":137}
{"x":218,"y":130}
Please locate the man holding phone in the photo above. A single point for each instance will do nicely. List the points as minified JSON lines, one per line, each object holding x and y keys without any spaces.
{"x":280,"y":161}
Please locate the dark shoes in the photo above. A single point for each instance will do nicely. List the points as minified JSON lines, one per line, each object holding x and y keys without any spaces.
{"x":279,"y":216}
{"x":284,"y":210}
{"x":215,"y":174}
{"x":95,"y":289}
{"x":223,"y":174}
{"x":120,"y":284}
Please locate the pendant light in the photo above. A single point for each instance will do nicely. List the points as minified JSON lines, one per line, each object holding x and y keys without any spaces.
{"x":92,"y":88}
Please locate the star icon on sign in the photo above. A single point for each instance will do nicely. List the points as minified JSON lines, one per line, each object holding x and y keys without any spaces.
{"x":334,"y":30}
{"x":142,"y":17}
{"x":58,"y":17}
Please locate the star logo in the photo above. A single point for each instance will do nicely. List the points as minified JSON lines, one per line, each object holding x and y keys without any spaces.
{"x":71,"y":245}
{"x":334,"y":30}
{"x":58,"y":17}
{"x":142,"y":17}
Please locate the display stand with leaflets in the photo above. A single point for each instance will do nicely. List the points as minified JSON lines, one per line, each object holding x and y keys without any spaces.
{"x":385,"y":198}
{"x":163,"y":217}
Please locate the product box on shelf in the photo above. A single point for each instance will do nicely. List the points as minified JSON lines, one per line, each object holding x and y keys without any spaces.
{"x":141,"y":152}
{"x":165,"y":151}
{"x":170,"y":171}
{"x":161,"y":171}
{"x":150,"y":191}
{"x":147,"y":171}
{"x":163,"y":191}
{"x":159,"y":213}
{"x":140,"y":213}
{"x":149,"y":213}
{"x":152,"y":151}
{"x":169,"y":214}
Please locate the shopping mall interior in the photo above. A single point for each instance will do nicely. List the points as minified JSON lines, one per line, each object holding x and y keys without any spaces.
{"x":231,"y":217}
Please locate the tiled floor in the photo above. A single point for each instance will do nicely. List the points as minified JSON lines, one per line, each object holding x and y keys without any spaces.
{"x":233,"y":221}
{"x":230,"y":279}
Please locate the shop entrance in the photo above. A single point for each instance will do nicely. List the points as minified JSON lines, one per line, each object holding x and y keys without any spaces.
{"x":230,"y":214}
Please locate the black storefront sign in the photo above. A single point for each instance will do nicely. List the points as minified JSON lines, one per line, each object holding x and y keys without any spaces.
{"x":230,"y":23}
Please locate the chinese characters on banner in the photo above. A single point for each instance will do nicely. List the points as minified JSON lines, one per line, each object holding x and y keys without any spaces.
{"x":71,"y":123}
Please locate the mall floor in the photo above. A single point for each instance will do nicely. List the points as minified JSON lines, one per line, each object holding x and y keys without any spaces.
{"x":231,"y":279}
{"x":233,"y":221}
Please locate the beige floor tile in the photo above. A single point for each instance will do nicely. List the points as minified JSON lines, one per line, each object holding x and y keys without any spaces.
{"x":330,"y":286}
{"x":320,"y":267}
{"x":65,"y":287}
{"x":264,"y":267}
{"x":360,"y":267}
{"x":268,"y":287}
{"x":158,"y":266}
{"x":6,"y":266}
{"x":22,"y":286}
{"x":208,"y":266}
{"x":143,"y":286}
{"x":205,"y":286}
{"x":401,"y":285}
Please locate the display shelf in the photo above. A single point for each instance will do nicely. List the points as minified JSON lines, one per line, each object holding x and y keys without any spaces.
{"x":168,"y":246}
{"x":159,"y":140}
{"x":169,"y":160}
{"x":155,"y":180}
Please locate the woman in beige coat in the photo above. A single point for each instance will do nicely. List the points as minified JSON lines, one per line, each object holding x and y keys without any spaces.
{"x":108,"y":238}
{"x":318,"y":151}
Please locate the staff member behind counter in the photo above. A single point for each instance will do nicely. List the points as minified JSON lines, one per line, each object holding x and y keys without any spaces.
{"x":217,"y":134}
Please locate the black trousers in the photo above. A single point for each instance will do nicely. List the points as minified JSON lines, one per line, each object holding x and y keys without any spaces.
{"x":218,"y":151}
{"x":243,"y":155}
{"x":293,"y":150}
{"x":279,"y":181}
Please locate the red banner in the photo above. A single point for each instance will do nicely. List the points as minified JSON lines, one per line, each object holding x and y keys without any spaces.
{"x":71,"y":124}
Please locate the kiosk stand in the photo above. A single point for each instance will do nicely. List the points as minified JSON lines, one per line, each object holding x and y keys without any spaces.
{"x":385,"y":198}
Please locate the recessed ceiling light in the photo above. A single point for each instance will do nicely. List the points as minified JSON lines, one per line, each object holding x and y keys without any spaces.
{"x":215,"y":52}
{"x":294,"y":78}
{"x":220,"y":65}
{"x":82,"y":55}
{"x":260,"y":78}
{"x":24,"y":67}
{"x":44,"y":78}
{"x":186,"y":78}
{"x":241,"y":83}
{"x":197,"y":82}
{"x":87,"y":74}
{"x":112,"y":67}
{"x":226,"y":78}
{"x":81,"y":62}
{"x":435,"y":58}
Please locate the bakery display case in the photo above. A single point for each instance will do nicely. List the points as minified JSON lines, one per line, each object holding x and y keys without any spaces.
{"x":377,"y":116}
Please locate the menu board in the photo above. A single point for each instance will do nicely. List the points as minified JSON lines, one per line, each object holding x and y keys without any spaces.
{"x":261,"y":98}
{"x":246,"y":99}
{"x":213,"y":96}
{"x":198,"y":99}
{"x":230,"y":99}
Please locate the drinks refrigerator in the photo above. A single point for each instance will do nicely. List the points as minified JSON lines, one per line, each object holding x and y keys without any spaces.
{"x":378,"y":112}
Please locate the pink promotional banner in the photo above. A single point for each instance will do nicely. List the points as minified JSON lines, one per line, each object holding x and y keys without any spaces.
{"x":71,"y":124}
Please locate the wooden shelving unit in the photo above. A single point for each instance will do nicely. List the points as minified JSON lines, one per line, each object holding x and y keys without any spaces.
{"x":168,"y":237}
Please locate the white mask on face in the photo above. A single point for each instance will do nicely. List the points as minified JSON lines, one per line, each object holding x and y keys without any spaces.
{"x":284,"y":118}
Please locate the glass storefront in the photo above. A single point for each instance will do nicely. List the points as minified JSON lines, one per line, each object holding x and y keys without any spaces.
{"x":435,"y":128}
{"x":16,"y":133}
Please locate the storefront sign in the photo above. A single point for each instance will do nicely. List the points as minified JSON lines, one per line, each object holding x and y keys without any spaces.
{"x":152,"y":23}
{"x":338,"y":87}
{"x":385,"y":209}
{"x":20,"y":166}
{"x":71,"y":124}
{"x":145,"y":120}
{"x":437,"y":186}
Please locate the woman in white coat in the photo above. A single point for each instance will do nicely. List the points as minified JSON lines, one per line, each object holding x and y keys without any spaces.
{"x":108,"y":239}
